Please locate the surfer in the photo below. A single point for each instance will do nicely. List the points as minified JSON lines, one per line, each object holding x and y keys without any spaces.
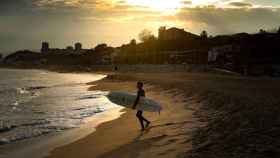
{"x":139,"y":114}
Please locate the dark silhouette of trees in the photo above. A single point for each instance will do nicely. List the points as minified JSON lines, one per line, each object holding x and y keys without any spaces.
{"x":278,"y":31}
{"x":262,"y":31}
{"x":133,"y":42}
{"x":146,"y":35}
{"x":204,"y":34}
{"x":100,"y":47}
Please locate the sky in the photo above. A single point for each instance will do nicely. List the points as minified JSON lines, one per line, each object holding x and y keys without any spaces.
{"x":24,"y":24}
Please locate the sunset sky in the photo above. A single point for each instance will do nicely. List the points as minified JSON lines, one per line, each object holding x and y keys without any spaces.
{"x":24,"y":24}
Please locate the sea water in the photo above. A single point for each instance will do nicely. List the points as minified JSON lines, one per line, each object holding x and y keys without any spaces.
{"x":36,"y":102}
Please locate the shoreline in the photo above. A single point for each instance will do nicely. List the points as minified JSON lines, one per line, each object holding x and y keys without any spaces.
{"x":40,"y":146}
{"x":122,"y":137}
{"x":197,"y":108}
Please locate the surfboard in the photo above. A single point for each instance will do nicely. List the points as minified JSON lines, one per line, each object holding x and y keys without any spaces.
{"x":127,"y":100}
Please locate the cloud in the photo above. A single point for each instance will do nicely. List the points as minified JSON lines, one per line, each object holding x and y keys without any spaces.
{"x":224,"y":16}
{"x":83,"y":4}
{"x":116,"y":21}
{"x":240,"y":4}
{"x":186,"y":2}
{"x":231,"y":20}
{"x":70,"y":4}
{"x":14,"y":6}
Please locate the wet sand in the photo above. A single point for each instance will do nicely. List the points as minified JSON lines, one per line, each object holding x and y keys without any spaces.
{"x":197,"y":108}
{"x":168,"y":136}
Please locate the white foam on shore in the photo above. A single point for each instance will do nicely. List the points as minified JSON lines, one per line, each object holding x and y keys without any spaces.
{"x":36,"y":110}
{"x":42,"y":146}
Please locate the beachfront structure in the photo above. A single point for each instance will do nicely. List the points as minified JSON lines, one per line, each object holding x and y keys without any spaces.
{"x":174,"y":34}
{"x":226,"y":56}
{"x":45,"y":47}
{"x":245,"y":59}
{"x":224,"y":52}
{"x":198,"y":57}
{"x":69,"y":49}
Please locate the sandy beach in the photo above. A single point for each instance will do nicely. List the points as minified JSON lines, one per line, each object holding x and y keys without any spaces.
{"x":204,"y":73}
{"x":168,"y":136}
{"x":197,"y":106}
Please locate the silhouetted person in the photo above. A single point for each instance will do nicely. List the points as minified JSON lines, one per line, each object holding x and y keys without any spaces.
{"x":140,"y":93}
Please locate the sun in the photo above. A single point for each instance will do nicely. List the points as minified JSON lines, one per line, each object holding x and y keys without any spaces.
{"x":160,"y":5}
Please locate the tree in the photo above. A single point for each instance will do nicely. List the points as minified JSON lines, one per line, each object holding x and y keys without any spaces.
{"x":101,"y":47}
{"x":145,"y":35}
{"x":278,"y":31}
{"x":262,"y":31}
{"x":133,"y":42}
{"x":204,"y":34}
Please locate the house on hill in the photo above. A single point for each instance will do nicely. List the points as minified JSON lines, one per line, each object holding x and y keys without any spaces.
{"x":174,"y":34}
{"x":77,"y":49}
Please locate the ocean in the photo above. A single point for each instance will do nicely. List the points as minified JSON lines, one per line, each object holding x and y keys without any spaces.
{"x":37,"y":102}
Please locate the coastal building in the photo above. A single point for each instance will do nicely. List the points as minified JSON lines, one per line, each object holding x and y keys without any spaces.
{"x":193,"y":57}
{"x":174,"y":34}
{"x":45,"y":47}
{"x":238,"y":58}
{"x":223,"y":54}
{"x":103,"y":54}
{"x":69,"y":49}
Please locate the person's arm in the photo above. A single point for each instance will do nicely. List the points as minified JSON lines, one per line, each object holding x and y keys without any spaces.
{"x":136,"y":101}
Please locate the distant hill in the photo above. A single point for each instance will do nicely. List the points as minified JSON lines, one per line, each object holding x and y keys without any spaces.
{"x":33,"y":59}
{"x":237,"y":52}
{"x":21,"y":57}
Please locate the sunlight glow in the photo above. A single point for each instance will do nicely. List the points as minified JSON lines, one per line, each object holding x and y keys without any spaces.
{"x":204,"y":2}
{"x":160,"y":5}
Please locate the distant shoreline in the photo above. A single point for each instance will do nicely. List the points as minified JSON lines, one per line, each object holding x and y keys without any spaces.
{"x":126,"y":68}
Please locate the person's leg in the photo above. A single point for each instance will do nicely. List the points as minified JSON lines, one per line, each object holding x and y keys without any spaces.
{"x":144,"y":119}
{"x":147,"y":121}
{"x":140,"y":118}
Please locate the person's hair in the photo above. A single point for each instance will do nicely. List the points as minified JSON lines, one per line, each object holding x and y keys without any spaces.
{"x":140,"y":83}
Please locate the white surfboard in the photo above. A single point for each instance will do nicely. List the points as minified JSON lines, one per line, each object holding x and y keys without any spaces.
{"x":127,"y":100}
